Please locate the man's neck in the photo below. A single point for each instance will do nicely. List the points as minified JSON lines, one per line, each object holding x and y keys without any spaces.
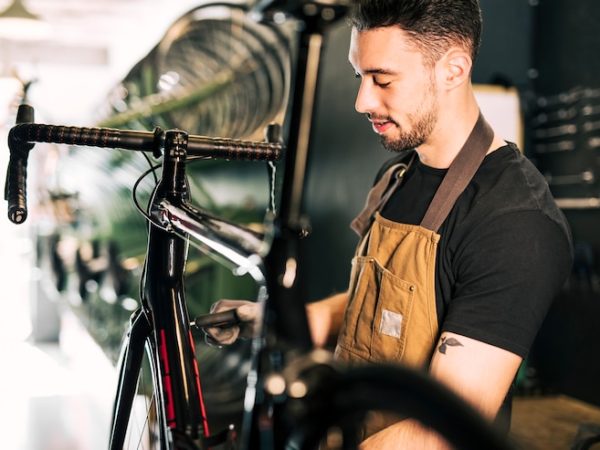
{"x":454,"y":125}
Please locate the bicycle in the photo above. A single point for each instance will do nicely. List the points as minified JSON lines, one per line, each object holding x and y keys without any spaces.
{"x":294,"y":394}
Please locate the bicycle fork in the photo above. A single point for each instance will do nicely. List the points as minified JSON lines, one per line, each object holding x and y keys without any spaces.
{"x":130,"y":362}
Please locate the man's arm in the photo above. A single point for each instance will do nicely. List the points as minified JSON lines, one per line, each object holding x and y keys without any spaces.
{"x":478,"y":372}
{"x":325,"y":318}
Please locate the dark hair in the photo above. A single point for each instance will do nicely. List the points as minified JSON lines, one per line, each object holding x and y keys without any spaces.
{"x":433,"y":25}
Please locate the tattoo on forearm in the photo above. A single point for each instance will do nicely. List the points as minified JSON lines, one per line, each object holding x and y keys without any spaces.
{"x":448,"y":342}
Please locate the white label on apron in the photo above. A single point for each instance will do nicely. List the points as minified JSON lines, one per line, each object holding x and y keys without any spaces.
{"x":391,"y":323}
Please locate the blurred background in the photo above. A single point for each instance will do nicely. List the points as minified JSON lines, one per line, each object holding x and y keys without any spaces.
{"x":69,"y":276}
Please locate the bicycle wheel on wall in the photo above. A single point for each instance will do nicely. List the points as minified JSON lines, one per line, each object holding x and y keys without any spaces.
{"x":220,"y":44}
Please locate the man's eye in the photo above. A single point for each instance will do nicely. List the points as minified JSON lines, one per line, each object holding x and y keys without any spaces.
{"x":381,"y":83}
{"x":356,"y":75}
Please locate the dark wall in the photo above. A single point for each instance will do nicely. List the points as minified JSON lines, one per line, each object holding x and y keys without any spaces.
{"x":507,"y":40}
{"x":567,"y":45}
{"x":345,"y":158}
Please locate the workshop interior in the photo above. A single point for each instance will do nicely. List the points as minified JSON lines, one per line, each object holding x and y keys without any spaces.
{"x":71,"y":274}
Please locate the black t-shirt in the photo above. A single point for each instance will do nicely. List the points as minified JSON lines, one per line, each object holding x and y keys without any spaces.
{"x":504,"y":252}
{"x":503,"y":255}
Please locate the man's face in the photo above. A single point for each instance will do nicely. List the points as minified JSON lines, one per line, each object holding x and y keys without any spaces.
{"x":397,"y":91}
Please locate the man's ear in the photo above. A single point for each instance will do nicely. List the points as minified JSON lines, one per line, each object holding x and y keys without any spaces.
{"x":454,"y":68}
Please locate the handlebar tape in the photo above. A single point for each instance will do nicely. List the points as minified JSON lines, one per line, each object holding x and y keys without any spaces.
{"x":92,"y":137}
{"x":15,"y":189}
{"x":198,"y":146}
{"x":22,"y":138}
{"x":233,"y":149}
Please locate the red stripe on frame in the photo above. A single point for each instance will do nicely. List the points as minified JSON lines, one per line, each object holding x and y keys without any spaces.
{"x":163,"y":351}
{"x":199,"y":387}
{"x":170,"y":408}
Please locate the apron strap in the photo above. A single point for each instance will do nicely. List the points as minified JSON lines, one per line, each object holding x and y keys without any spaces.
{"x":459,"y":174}
{"x":457,"y":178}
{"x":380,"y":194}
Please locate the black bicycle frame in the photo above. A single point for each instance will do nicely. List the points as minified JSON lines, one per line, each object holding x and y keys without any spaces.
{"x":163,"y":303}
{"x":162,"y":323}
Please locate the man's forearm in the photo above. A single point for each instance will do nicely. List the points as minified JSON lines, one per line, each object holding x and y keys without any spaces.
{"x":407,"y":434}
{"x":325,"y":318}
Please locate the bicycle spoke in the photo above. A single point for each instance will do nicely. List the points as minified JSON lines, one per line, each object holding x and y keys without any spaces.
{"x":149,"y":410}
{"x":143,"y":390}
{"x":142,"y":425}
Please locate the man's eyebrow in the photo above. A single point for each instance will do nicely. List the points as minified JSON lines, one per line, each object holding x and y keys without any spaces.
{"x":379,"y":71}
{"x":376,"y":71}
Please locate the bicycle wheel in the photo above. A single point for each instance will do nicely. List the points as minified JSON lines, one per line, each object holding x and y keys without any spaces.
{"x":138,"y":414}
{"x":340,"y":400}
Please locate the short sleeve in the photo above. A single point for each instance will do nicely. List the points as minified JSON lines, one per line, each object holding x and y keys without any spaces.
{"x":507,"y":271}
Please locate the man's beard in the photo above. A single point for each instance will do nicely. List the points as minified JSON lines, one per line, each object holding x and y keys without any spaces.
{"x":423,"y":123}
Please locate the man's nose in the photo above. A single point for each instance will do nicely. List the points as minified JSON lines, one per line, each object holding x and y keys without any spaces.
{"x":366,"y":99}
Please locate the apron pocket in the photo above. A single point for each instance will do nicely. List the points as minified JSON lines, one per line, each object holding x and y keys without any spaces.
{"x":378,"y":312}
{"x":391,"y":318}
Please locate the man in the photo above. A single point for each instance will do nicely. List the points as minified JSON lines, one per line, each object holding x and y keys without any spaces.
{"x":455,"y":276}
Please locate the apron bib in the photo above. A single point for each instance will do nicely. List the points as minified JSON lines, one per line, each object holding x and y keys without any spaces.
{"x":391,"y":316}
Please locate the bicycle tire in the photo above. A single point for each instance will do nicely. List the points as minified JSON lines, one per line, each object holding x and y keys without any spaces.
{"x":340,"y":398}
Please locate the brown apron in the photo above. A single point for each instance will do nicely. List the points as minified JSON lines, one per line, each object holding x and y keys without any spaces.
{"x":391,"y":314}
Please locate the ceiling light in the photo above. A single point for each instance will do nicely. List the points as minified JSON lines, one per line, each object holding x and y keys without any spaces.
{"x":18,"y":23}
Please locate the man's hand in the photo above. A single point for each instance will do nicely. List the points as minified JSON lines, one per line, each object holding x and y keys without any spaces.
{"x":324,"y":319}
{"x":250,"y":315}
